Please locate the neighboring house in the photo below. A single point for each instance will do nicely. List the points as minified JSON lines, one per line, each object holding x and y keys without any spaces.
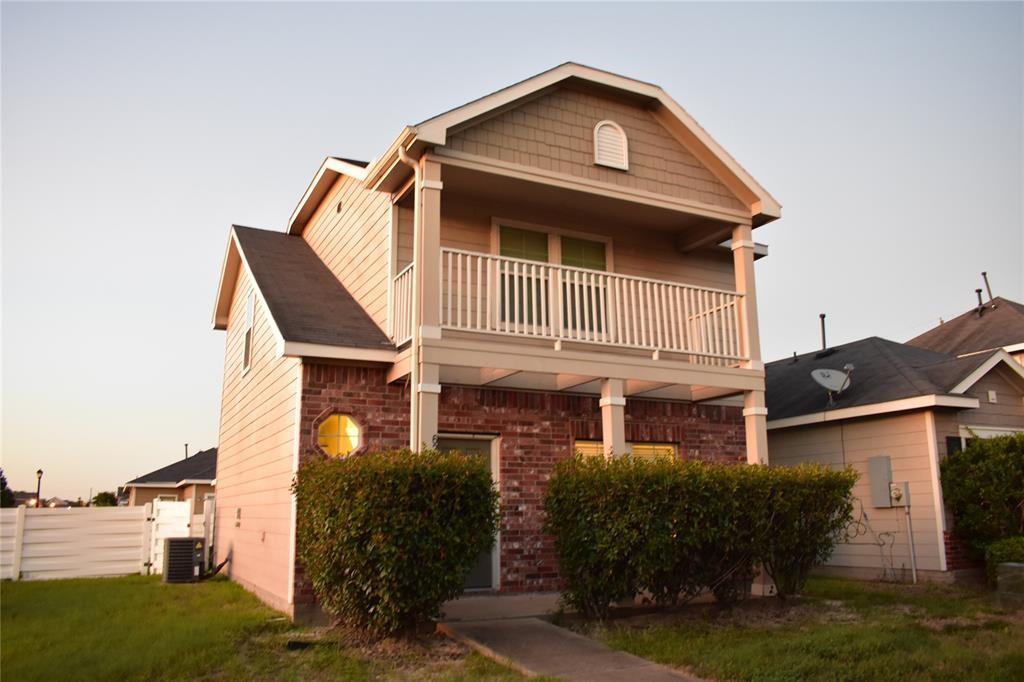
{"x":193,"y":478}
{"x":905,"y":409}
{"x":565,"y":263}
{"x":996,"y":324}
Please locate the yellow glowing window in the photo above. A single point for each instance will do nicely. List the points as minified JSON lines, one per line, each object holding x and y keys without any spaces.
{"x":590,"y":448}
{"x":652,"y":450}
{"x":339,"y":435}
{"x":595,"y":448}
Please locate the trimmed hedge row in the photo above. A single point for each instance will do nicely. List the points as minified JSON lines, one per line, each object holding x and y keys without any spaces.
{"x":674,"y":529}
{"x":387,"y":538}
{"x":983,"y":487}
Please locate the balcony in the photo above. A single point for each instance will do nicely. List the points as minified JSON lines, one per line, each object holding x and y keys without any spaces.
{"x":488,"y":294}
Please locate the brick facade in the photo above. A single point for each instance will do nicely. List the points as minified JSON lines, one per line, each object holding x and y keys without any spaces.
{"x":958,"y":554}
{"x":536,"y":431}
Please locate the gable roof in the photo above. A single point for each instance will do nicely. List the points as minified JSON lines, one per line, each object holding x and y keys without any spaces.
{"x":1000,"y":324}
{"x":386,"y":171}
{"x":199,"y":468}
{"x":884,"y":371}
{"x":323,"y":320}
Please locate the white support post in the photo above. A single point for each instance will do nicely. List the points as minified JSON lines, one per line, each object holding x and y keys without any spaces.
{"x":147,"y":534}
{"x":19,"y":538}
{"x":613,"y":424}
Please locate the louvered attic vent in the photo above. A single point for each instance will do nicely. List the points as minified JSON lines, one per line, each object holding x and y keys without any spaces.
{"x":610,"y":145}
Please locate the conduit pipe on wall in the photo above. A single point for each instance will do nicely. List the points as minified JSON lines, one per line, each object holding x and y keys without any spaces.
{"x":417,"y":308}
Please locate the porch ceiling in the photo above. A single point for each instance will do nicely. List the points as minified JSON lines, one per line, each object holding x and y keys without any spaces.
{"x":575,"y":383}
{"x":481,"y":186}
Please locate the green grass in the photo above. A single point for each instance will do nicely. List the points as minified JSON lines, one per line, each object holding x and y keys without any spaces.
{"x":140,"y":628}
{"x":840,"y":630}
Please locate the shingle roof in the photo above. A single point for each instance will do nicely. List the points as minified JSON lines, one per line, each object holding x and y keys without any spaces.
{"x":201,"y":466}
{"x":883,"y":371}
{"x":1000,"y":324}
{"x":305,"y":299}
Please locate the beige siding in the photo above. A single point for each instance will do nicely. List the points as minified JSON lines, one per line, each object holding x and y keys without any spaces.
{"x":1008,"y":410}
{"x":403,"y":238}
{"x":140,"y":496}
{"x":354,"y":242}
{"x":903,"y":437}
{"x":256,"y":455}
{"x":555,"y":133}
{"x":636,"y":250}
{"x":196,"y":492}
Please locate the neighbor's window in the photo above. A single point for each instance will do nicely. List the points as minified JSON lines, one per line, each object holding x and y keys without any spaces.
{"x":610,"y":145}
{"x":595,"y":448}
{"x":250,"y":314}
{"x":526,"y":244}
{"x":339,"y":435}
{"x":583,"y":253}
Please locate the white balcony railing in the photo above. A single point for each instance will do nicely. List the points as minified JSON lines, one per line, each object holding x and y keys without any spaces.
{"x":401,"y":306}
{"x":510,"y":296}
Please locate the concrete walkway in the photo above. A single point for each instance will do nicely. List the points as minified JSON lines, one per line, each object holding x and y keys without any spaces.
{"x":535,"y":647}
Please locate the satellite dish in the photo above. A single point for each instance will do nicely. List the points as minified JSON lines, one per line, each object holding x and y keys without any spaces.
{"x":833,"y":380}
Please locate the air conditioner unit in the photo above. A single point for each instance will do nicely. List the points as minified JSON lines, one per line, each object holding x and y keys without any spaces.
{"x":184,"y":559}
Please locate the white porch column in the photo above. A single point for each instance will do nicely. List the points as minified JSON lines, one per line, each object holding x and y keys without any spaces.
{"x":426,"y":387}
{"x":428,"y":393}
{"x":755,"y":421}
{"x":755,"y":414}
{"x":613,"y":421}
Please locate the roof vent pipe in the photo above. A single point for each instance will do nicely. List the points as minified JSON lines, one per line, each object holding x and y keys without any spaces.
{"x":981,"y":306}
{"x":821,"y":316}
{"x":984,"y":276}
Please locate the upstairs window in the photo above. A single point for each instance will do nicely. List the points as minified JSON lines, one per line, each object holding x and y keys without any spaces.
{"x":611,"y":148}
{"x":250,"y":315}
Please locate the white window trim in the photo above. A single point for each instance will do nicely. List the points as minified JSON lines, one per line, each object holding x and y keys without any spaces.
{"x":625,"y":145}
{"x":555,"y":235}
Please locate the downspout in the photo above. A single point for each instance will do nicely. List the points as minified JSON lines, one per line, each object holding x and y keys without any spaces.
{"x":417,"y":309}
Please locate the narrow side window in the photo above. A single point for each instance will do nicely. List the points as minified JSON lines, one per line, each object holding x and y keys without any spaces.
{"x":250,"y":315}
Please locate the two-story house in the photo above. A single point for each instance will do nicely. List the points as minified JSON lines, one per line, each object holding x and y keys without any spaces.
{"x":565,"y":264}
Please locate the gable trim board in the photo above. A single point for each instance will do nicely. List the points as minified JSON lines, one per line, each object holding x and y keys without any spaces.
{"x":916,"y":403}
{"x":319,"y":187}
{"x":387,"y":173}
{"x":999,"y":358}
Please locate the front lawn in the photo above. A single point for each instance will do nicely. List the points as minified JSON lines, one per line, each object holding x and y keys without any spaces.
{"x":840,"y":630}
{"x":140,"y":628}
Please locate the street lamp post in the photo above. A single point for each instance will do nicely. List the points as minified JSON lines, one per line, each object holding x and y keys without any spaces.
{"x":39,"y":486}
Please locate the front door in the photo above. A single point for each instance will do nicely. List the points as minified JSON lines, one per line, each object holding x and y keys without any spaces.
{"x":481,"y":575}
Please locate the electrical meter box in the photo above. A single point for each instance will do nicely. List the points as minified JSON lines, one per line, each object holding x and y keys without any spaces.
{"x":880,"y":478}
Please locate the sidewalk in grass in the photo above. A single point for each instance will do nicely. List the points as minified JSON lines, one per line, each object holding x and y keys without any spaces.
{"x":512,"y":630}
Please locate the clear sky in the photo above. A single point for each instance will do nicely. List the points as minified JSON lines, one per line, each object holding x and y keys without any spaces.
{"x":135,"y":134}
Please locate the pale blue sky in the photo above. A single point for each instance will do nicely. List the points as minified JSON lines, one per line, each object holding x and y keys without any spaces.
{"x":135,"y":134}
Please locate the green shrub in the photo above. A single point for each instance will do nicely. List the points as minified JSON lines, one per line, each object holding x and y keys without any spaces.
{"x":1010,"y":550}
{"x":809,"y":511}
{"x":675,"y":529}
{"x":983,"y":487}
{"x":599,"y":529}
{"x":387,"y":538}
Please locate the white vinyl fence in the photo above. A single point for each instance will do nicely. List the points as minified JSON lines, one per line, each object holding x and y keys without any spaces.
{"x":43,"y":544}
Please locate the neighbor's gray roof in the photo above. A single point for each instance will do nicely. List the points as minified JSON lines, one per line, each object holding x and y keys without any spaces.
{"x":305,"y":299}
{"x":883,"y":371}
{"x":201,"y":466}
{"x":1001,"y":323}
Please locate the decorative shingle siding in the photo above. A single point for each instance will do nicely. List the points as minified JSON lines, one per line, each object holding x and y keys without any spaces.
{"x":536,"y":430}
{"x":555,"y":133}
